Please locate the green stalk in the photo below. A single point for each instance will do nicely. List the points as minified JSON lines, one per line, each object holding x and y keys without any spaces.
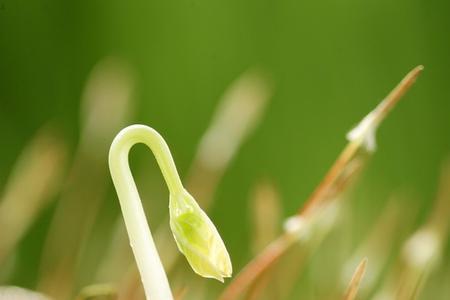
{"x":195,"y":235}
{"x":149,"y":264}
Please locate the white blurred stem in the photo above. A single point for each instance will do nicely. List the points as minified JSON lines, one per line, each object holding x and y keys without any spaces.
{"x":153,"y":277}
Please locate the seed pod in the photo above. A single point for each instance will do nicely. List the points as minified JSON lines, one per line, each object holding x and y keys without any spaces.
{"x":197,"y":238}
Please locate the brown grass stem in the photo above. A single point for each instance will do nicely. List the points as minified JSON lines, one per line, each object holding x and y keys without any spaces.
{"x":355,"y":282}
{"x":334,"y":183}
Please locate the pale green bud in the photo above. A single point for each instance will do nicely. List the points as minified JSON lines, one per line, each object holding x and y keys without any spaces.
{"x":197,"y":238}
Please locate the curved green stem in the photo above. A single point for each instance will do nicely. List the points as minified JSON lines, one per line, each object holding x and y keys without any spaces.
{"x":149,"y":264}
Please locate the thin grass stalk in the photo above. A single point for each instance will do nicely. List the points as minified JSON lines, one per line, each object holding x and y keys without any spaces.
{"x":361,"y":143}
{"x":379,"y":243}
{"x":265,"y":208}
{"x":34,"y":181}
{"x":106,"y":104}
{"x":422,"y":250}
{"x":355,"y":282}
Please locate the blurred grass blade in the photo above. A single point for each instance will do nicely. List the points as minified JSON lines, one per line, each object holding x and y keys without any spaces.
{"x":423,"y":249}
{"x":379,"y":243}
{"x":257,"y":266}
{"x":106,"y":104}
{"x":35,"y":179}
{"x":181,"y":293}
{"x":117,"y":256}
{"x":336,"y":181}
{"x":265,"y":207}
{"x":439,"y":219}
{"x":236,"y":117}
{"x":130,"y":286}
{"x":280,"y":276}
{"x":355,"y":282}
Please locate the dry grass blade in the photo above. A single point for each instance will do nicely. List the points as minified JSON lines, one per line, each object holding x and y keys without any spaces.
{"x":258,"y":265}
{"x":358,"y":140}
{"x":422,"y":251}
{"x":344,"y":170}
{"x":266,"y":213}
{"x":181,"y":293}
{"x":131,"y":287}
{"x":106,"y":101}
{"x":116,"y":257}
{"x":33,"y":182}
{"x":238,"y":114}
{"x":380,"y":242}
{"x":353,"y":286}
{"x":265,"y":208}
{"x":439,"y":218}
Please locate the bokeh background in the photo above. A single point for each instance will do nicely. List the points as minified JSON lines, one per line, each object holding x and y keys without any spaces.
{"x":328,"y":63}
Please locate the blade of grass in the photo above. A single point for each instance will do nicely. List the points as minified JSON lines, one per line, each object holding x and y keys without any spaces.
{"x":34,"y":181}
{"x":266,"y":215}
{"x":380,"y":242}
{"x":355,"y":282}
{"x":422,"y":250}
{"x":343,"y":171}
{"x":181,"y":293}
{"x":106,"y":104}
{"x":238,"y":114}
{"x":360,"y":138}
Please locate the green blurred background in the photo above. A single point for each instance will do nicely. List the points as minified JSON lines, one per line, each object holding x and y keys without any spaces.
{"x":330,"y":62}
